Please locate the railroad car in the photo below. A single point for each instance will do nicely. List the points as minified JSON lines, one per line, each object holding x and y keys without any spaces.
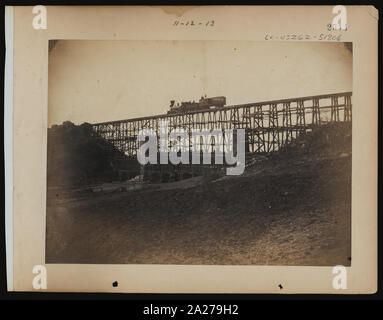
{"x":202,"y":104}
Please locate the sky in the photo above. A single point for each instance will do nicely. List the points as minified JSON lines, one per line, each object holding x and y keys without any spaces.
{"x":97,"y":81}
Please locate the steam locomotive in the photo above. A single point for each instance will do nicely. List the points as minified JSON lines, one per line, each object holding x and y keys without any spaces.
{"x":204,"y":103}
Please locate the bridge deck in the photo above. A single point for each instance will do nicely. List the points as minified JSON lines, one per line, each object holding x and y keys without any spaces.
{"x":268,"y":124}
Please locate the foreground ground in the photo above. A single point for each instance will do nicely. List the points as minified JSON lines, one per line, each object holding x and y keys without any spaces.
{"x":293,"y":208}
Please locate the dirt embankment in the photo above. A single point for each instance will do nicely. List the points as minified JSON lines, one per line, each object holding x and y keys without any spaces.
{"x":292,"y":209}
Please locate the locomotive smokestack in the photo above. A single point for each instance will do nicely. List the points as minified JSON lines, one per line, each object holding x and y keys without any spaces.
{"x":172,"y":103}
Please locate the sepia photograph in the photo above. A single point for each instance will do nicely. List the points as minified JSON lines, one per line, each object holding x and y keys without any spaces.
{"x":199,"y":152}
{"x":191,"y":150}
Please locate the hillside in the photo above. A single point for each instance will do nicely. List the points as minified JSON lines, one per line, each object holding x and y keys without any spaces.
{"x":77,"y":157}
{"x":291,"y":208}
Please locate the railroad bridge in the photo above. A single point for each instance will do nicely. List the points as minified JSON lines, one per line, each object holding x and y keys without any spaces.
{"x":269,"y":125}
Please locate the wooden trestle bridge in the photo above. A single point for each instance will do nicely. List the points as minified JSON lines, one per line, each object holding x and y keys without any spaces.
{"x":269,"y":125}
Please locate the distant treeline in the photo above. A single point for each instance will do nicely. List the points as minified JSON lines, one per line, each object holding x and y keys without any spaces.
{"x":77,"y":157}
